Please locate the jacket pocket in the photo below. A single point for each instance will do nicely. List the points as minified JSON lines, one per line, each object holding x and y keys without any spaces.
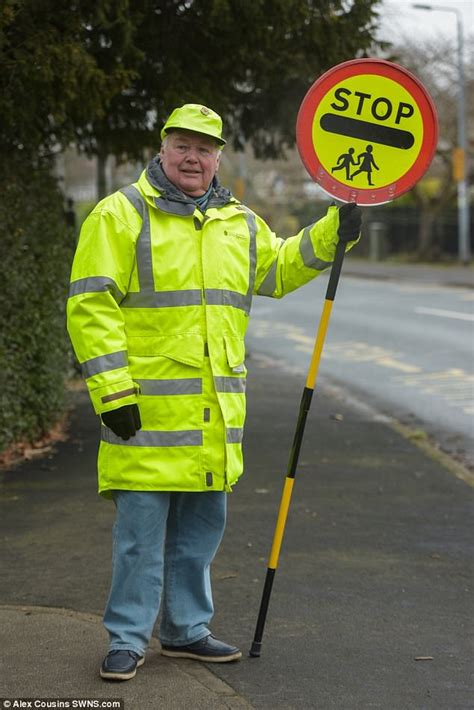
{"x":187,"y":348}
{"x":235,"y":351}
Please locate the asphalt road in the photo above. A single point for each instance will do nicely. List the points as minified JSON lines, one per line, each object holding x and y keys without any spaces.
{"x":406,"y":348}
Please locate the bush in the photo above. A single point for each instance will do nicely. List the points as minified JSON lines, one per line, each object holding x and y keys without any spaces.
{"x":37,"y":249}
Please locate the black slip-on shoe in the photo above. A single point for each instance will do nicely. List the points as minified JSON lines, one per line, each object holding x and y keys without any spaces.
{"x":121,"y":665}
{"x":208,"y":649}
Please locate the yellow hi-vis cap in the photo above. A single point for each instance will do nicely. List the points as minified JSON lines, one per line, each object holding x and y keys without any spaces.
{"x":195,"y":117}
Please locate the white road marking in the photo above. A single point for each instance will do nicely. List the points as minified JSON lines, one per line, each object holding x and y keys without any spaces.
{"x":444,"y":314}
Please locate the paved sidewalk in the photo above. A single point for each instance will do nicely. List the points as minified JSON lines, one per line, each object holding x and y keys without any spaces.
{"x":55,"y":653}
{"x":372,"y":602}
{"x":442,"y":274}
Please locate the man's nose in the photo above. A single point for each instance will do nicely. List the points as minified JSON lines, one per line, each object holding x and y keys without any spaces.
{"x":192,"y":155}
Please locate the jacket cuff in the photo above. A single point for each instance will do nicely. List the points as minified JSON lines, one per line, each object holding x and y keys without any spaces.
{"x":109,"y":397}
{"x":325,"y":238}
{"x":324,"y":235}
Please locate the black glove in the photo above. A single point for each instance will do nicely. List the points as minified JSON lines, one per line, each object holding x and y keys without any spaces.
{"x":124,"y":421}
{"x":350,"y":221}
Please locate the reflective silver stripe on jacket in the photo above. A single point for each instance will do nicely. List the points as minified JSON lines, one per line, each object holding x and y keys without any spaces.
{"x":187,"y":297}
{"x":234,"y":435}
{"x":224,"y":297}
{"x":268,"y":285}
{"x":143,"y":248}
{"x":234,"y":385}
{"x":104,"y":363}
{"x":95,"y":284}
{"x":307,"y":252}
{"x":189,"y":437}
{"x":163,"y":299}
{"x":252,"y":227}
{"x":170,"y":387}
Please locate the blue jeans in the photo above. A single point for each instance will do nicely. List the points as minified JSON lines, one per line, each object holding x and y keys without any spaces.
{"x":163,"y":546}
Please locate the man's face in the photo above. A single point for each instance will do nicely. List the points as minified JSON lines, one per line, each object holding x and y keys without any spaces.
{"x":190,"y":161}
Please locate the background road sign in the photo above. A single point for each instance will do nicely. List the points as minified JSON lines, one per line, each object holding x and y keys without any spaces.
{"x":367,"y":131}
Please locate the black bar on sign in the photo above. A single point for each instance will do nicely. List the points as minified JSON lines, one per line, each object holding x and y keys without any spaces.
{"x":374,"y":132}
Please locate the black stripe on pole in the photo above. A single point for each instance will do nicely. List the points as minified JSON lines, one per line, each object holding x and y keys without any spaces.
{"x":305,"y":404}
{"x":267,"y":590}
{"x":335,"y":271}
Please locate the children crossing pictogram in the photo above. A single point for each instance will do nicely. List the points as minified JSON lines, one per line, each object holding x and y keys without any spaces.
{"x":345,"y":161}
{"x":366,"y":162}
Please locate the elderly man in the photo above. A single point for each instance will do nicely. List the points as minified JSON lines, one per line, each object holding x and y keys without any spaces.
{"x":161,"y":290}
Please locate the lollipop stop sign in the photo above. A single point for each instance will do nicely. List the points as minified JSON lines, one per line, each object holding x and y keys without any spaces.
{"x":367,"y":131}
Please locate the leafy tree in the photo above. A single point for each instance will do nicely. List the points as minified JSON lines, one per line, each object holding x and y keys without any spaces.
{"x":106,"y":73}
{"x":54,"y":80}
{"x":37,"y":249}
{"x":50,"y":84}
{"x":251,"y":61}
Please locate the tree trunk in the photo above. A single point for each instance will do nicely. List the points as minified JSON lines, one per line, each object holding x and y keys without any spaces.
{"x":426,"y":233}
{"x":429,"y":210}
{"x":101,"y":175}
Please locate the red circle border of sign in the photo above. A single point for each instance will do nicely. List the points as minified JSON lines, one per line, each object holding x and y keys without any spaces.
{"x":304,"y":130}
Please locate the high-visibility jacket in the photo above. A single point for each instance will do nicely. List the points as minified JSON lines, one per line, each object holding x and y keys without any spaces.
{"x":158,"y":308}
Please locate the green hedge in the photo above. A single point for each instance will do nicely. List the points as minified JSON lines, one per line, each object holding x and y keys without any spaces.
{"x":36,"y":249}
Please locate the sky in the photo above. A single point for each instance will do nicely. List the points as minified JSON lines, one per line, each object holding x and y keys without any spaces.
{"x":400,"y":16}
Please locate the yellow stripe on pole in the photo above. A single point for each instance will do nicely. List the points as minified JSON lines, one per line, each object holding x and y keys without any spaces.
{"x":281,"y":521}
{"x":318,"y":345}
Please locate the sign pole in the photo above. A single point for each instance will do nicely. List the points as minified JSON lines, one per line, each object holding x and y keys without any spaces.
{"x":305,"y":405}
